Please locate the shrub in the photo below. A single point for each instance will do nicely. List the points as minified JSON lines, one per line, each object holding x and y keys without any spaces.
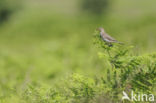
{"x":125,"y":72}
{"x":95,"y":6}
{"x":6,"y":8}
{"x":128,"y":71}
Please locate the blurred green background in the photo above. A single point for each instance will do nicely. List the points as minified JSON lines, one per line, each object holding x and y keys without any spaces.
{"x":45,"y":40}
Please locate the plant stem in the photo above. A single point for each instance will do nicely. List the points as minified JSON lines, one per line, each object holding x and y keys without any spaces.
{"x":110,"y":57}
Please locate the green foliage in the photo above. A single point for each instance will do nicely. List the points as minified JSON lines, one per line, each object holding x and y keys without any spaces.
{"x":128,"y":72}
{"x":49,"y":40}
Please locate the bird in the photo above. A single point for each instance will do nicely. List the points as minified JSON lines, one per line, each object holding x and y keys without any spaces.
{"x":107,"y":38}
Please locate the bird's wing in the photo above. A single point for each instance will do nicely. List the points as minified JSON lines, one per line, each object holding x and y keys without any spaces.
{"x":109,"y":37}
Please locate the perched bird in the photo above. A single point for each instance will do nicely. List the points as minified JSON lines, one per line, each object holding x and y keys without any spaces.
{"x":107,"y":38}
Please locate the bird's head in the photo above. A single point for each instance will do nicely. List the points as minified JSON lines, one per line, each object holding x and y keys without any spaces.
{"x":100,"y":29}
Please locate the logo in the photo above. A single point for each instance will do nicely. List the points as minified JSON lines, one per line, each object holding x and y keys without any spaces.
{"x":138,"y":97}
